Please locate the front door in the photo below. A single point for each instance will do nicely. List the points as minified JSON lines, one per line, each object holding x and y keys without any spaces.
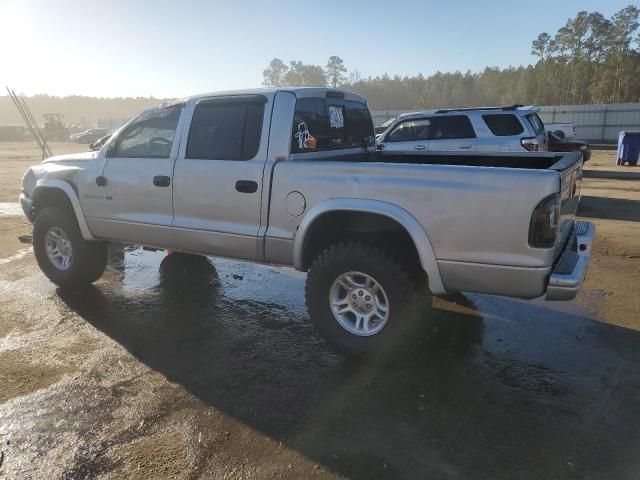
{"x":409,"y":135}
{"x":136,"y":181}
{"x":218,"y":177}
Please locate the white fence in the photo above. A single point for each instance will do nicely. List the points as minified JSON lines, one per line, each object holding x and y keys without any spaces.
{"x":596,"y":123}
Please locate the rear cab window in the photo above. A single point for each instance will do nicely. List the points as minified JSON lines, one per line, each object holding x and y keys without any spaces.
{"x":503,"y":124}
{"x":322,"y":124}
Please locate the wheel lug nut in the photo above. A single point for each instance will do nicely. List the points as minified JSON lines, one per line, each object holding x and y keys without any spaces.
{"x":360,"y":292}
{"x":354,"y":296}
{"x":362,"y":310}
{"x":368,"y":306}
{"x":367,"y":298}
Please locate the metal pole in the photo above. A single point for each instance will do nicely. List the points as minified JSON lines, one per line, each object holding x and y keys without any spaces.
{"x":43,"y":141}
{"x":604,"y":122}
{"x":25,"y":118}
{"x":35,"y":124}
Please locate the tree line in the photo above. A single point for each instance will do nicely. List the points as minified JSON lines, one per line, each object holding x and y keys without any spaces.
{"x":591,"y":59}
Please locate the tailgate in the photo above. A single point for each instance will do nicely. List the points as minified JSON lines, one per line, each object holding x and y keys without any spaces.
{"x":570,"y":169}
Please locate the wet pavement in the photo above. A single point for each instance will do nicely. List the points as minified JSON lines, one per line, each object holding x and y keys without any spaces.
{"x":207,"y":368}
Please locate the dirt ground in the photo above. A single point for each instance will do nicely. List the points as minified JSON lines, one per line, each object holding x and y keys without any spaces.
{"x":155,"y":374}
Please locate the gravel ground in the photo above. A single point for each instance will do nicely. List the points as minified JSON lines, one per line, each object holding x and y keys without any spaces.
{"x":152,"y":374}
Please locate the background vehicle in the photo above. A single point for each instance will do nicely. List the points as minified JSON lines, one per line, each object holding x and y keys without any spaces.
{"x":89,"y":136}
{"x":54,"y":129}
{"x":97,"y":145}
{"x":558,"y":144}
{"x":291,"y":177}
{"x":492,"y":129}
{"x":562,"y":129}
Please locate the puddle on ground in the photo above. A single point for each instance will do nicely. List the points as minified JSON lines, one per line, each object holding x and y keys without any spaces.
{"x":10,"y":210}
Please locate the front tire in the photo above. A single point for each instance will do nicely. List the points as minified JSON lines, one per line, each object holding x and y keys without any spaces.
{"x":360,"y":298}
{"x":62,"y":254}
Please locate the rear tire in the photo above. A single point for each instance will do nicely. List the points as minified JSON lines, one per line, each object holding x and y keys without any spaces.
{"x":66,"y":258}
{"x":346,"y":275}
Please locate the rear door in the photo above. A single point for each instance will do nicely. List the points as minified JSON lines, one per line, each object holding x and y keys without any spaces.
{"x":450,"y":133}
{"x":410,"y":134}
{"x":218,"y":176}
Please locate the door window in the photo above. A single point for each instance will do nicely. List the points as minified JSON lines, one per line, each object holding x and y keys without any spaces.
{"x":451,"y":127}
{"x":410,"y":131}
{"x":150,"y":136}
{"x":503,"y":125}
{"x":226,"y":128}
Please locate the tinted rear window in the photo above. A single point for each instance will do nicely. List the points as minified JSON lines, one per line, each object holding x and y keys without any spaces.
{"x":226,"y":130}
{"x":330,"y":124}
{"x":503,"y":125}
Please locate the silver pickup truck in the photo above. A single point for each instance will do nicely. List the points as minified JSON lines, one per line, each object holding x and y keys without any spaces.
{"x":291,"y":176}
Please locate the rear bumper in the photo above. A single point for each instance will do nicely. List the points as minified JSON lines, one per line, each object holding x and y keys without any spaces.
{"x":27,"y":206}
{"x":571,"y":269}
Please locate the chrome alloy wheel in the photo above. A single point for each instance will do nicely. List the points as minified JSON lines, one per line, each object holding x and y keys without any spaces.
{"x":58,"y":248}
{"x":359,"y":304}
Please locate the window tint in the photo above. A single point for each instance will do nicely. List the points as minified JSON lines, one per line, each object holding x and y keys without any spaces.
{"x":410,"y":130}
{"x":536,"y":123}
{"x":226,"y":129}
{"x":503,"y":125}
{"x":330,"y":124}
{"x":151,"y":135}
{"x":451,"y":127}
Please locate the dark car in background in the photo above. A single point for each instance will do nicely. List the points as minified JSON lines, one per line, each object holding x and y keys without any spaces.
{"x":558,"y":144}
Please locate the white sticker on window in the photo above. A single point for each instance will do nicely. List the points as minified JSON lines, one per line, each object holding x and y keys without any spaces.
{"x":336,"y":120}
{"x":305,"y":139}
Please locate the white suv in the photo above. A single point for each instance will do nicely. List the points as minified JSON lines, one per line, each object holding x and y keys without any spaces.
{"x":512,"y":129}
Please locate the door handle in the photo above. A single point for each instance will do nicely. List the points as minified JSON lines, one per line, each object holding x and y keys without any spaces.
{"x":465,"y":146}
{"x":161,"y":181}
{"x":247,"y":186}
{"x":420,"y":147}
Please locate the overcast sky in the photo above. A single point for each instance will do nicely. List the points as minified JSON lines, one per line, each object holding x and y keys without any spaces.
{"x":181,"y":47}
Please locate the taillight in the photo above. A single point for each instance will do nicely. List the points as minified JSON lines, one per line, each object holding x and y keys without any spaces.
{"x":543,"y":230}
{"x":530,"y":144}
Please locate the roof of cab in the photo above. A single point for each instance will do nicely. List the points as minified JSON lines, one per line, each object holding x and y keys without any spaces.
{"x":299,"y":92}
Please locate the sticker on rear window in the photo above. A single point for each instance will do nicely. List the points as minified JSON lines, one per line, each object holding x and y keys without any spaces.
{"x":305,"y":139}
{"x":336,"y":119}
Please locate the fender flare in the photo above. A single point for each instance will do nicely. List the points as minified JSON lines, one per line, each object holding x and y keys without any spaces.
{"x":73,"y":199}
{"x":394,"y":212}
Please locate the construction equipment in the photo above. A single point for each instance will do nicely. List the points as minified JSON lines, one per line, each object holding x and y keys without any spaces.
{"x":54,"y":129}
{"x":27,"y":116}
